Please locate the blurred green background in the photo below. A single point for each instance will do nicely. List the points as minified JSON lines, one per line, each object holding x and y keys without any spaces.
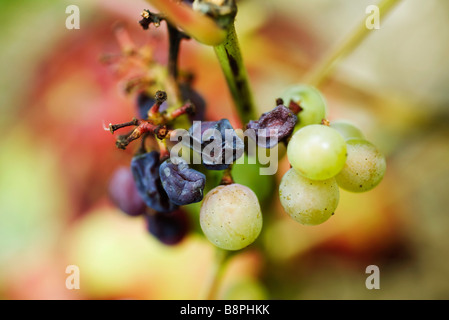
{"x":56,"y":159}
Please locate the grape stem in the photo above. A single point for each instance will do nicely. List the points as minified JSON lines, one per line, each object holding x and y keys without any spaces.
{"x":227,"y":177}
{"x":231,"y":62}
{"x":174,"y":37}
{"x":163,"y":150}
{"x":209,"y":291}
{"x":319,"y":74}
{"x":143,"y":127}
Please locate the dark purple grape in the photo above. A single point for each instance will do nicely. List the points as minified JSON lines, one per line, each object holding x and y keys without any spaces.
{"x":272,"y":126}
{"x":145,"y":169}
{"x":182,"y":184}
{"x":217,"y":143}
{"x":124,"y":194}
{"x":169,"y":228}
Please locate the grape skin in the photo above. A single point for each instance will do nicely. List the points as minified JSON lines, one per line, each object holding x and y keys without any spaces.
{"x":347,"y":129}
{"x":274,"y":126}
{"x":310,"y":100}
{"x":230,"y":150}
{"x":124,"y":194}
{"x":364,"y":168}
{"x":308,"y":202}
{"x":169,"y":228}
{"x":231,"y":217}
{"x":317,"y":152}
{"x":145,"y":169}
{"x":182,"y":184}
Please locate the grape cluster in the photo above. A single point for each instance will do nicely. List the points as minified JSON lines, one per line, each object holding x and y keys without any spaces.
{"x":154,"y":186}
{"x":142,"y":190}
{"x":324,"y":157}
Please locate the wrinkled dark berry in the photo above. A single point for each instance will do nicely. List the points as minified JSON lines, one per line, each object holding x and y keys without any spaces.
{"x":182,"y":184}
{"x":217,"y":142}
{"x":123,"y":192}
{"x":169,"y":228}
{"x":272,"y":126}
{"x":145,"y":169}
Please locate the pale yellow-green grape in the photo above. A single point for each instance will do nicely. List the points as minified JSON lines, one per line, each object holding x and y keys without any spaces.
{"x":347,"y":129}
{"x":364,"y":168}
{"x":230,"y":216}
{"x":317,"y":152}
{"x":309,"y":202}
{"x":310,"y":100}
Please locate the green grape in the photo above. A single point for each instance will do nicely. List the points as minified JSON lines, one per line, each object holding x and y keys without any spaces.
{"x":347,"y":129}
{"x":309,"y":202}
{"x":310,"y":100}
{"x":230,"y":216}
{"x":317,"y":152}
{"x":249,"y":175}
{"x":364,"y":168}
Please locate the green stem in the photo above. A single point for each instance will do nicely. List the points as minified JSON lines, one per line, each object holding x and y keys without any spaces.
{"x":210,"y":288}
{"x":318,"y":74}
{"x":230,"y":59}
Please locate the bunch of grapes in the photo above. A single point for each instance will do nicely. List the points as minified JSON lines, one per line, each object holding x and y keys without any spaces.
{"x":156,"y":185}
{"x":155,"y":188}
{"x":324,"y":157}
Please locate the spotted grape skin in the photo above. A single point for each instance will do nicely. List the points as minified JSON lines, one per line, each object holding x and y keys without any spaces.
{"x":310,"y":100}
{"x":230,"y":216}
{"x":364,"y":168}
{"x":317,"y":152}
{"x":308,"y":202}
{"x":347,"y":129}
